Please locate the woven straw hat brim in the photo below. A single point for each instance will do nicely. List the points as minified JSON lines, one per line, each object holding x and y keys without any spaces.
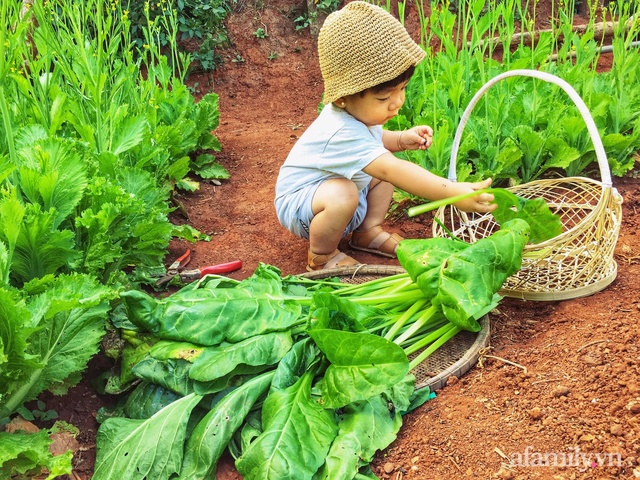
{"x":361,"y":46}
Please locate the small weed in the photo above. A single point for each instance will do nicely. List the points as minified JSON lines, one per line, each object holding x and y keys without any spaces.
{"x":194,"y":88}
{"x":273,"y":55}
{"x":260,"y":33}
{"x":39,"y":412}
{"x":238,"y":59}
{"x":304,"y":21}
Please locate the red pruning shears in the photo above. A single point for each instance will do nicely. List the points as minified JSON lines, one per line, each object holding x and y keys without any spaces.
{"x":177,"y":268}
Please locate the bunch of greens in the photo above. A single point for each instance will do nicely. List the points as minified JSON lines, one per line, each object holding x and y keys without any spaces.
{"x":199,"y":20}
{"x":93,"y":143}
{"x":298,"y":378}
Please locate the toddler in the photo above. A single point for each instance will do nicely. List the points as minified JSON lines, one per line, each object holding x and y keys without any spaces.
{"x":340,"y":175}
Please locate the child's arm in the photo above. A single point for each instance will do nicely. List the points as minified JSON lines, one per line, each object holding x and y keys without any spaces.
{"x":417,"y":181}
{"x":416,"y":138}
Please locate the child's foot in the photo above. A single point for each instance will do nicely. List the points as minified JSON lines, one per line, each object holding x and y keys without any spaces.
{"x":377,"y":241}
{"x":329,"y":260}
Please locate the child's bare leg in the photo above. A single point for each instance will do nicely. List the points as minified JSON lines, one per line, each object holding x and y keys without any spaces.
{"x":370,"y":236}
{"x":378,"y":201}
{"x":334,"y":204}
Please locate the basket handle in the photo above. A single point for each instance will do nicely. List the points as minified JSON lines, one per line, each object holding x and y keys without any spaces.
{"x":605,"y":174}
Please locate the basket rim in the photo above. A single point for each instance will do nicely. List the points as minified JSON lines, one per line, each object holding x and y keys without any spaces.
{"x":607,"y":195}
{"x":353,"y":270}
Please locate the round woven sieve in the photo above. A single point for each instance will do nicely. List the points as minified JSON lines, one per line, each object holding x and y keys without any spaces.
{"x":453,"y":359}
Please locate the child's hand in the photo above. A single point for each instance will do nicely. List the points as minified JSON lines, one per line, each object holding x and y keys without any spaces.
{"x":419,"y":137}
{"x":480,"y":203}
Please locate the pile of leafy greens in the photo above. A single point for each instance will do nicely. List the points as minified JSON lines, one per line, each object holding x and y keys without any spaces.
{"x":297,"y":378}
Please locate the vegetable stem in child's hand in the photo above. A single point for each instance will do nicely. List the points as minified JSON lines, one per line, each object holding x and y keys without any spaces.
{"x":427,"y":207}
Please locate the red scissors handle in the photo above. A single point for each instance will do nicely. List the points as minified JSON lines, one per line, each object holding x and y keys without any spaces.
{"x":222,"y":268}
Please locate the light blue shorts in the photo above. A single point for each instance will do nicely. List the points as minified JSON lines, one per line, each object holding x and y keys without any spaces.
{"x":295,"y":214}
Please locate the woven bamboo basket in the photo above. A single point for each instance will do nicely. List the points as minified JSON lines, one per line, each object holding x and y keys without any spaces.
{"x":454,"y":358}
{"x":579,"y":261}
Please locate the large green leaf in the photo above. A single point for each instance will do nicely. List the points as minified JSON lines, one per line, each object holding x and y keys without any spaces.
{"x":208,"y":317}
{"x":423,"y":259}
{"x":215,"y":362}
{"x":470,"y":279}
{"x":362,"y":365}
{"x":462,"y":278}
{"x":172,"y":374}
{"x":41,"y":249}
{"x":365,"y":427}
{"x":297,"y":433}
{"x":70,"y":313}
{"x":147,"y":399}
{"x":543,"y":224}
{"x":212,"y":434}
{"x":53,"y":175}
{"x":129,"y":133}
{"x":131,"y":449}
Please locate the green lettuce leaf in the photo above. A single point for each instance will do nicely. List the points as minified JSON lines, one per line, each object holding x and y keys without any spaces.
{"x":49,"y":336}
{"x":362,"y":365}
{"x":28,"y":455}
{"x":297,"y":433}
{"x":144,"y":449}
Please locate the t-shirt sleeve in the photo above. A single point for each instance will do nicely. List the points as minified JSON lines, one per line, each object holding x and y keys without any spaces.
{"x":351,"y":149}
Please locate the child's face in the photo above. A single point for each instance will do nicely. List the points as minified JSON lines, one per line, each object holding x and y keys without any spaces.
{"x":376,"y":108}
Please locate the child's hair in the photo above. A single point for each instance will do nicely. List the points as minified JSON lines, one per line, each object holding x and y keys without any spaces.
{"x":362,"y":46}
{"x":394,"y":82}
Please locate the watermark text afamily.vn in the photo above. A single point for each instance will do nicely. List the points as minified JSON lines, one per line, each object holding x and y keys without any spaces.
{"x":573,"y":457}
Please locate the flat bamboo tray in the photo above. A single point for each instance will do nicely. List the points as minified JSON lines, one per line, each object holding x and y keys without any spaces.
{"x":453,"y":359}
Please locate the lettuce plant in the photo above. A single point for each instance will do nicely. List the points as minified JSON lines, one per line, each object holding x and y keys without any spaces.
{"x":93,"y":143}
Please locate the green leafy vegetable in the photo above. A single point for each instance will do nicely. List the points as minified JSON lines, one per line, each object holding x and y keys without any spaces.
{"x":297,"y":433}
{"x":365,"y":427}
{"x":362,"y":365}
{"x":213,"y":433}
{"x":301,"y":378}
{"x":28,"y":454}
{"x":49,"y":336}
{"x":543,"y":224}
{"x":120,"y":455}
{"x":468,"y":279}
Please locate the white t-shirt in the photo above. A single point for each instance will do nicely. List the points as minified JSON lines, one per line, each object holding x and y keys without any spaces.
{"x":335,"y":145}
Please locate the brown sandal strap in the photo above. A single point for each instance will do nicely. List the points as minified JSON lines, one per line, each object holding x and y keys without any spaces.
{"x":376,"y":240}
{"x":329,"y":260}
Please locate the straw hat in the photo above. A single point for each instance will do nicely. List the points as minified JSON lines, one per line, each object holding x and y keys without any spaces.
{"x":361,"y":46}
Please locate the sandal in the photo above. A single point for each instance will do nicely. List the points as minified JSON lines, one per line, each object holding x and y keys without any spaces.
{"x":329,"y":260}
{"x":377,"y":241}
